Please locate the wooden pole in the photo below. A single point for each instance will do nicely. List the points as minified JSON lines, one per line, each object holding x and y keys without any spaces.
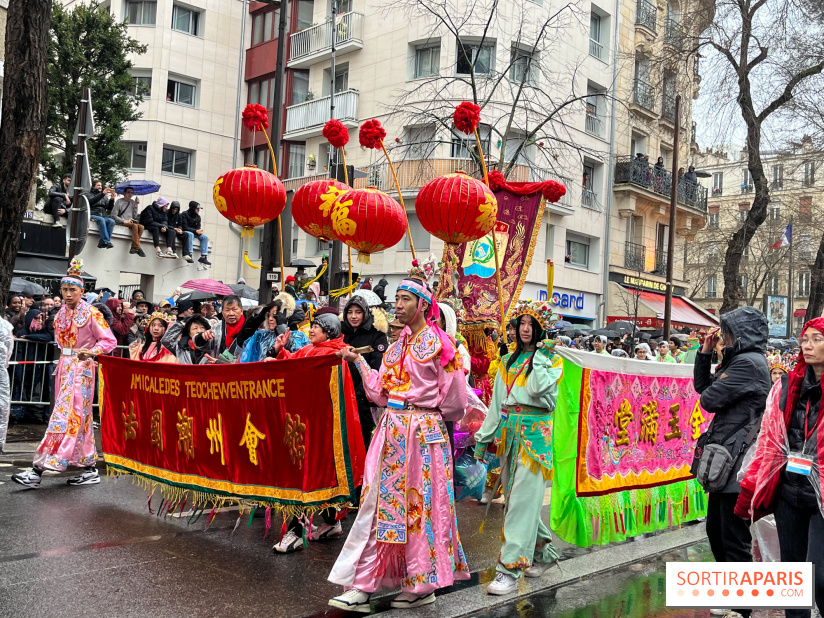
{"x":400,"y":199}
{"x":346,"y":182}
{"x":671,"y":235}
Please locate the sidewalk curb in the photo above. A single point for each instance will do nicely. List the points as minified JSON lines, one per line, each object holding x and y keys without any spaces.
{"x":472,"y":600}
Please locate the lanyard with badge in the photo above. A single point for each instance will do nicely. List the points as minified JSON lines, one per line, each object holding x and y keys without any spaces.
{"x":799,"y":462}
{"x":509,"y":387}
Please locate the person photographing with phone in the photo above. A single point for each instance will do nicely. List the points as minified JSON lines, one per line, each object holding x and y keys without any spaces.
{"x":124,"y":212}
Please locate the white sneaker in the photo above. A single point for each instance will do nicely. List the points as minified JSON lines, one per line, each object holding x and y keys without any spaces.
{"x":353,"y":600}
{"x":325,"y":531}
{"x":407,"y":600}
{"x":537,"y":569}
{"x":89,"y":476}
{"x":502,"y":584}
{"x":486,"y":497}
{"x":719,"y":612}
{"x":29,"y":478}
{"x":290,"y":542}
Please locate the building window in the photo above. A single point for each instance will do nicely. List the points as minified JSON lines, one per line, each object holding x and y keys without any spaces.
{"x":420,"y":236}
{"x":297,"y":160}
{"x":746,"y":181}
{"x":712,"y":221}
{"x":717,"y":184}
{"x":463,"y":146}
{"x":803,"y":287}
{"x":137,"y":156}
{"x":306,"y":10}
{"x":300,"y":87}
{"x":777,"y":177}
{"x":594,"y":123}
{"x":477,"y":57}
{"x":185,"y":20}
{"x":320,"y":246}
{"x":264,"y":26}
{"x":596,"y":49}
{"x":180,"y":93}
{"x":578,"y":251}
{"x":176,"y":162}
{"x":524,"y":67}
{"x":141,"y":13}
{"x":142,"y":86}
{"x":712,"y":249}
{"x":712,"y":284}
{"x":427,"y":61}
{"x":263,"y":93}
{"x":775,"y":212}
{"x":772,"y":285}
{"x":742,"y":215}
{"x":419,"y":141}
{"x":809,"y":173}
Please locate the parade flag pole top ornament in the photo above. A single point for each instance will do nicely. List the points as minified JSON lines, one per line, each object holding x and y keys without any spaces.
{"x":371,"y":135}
{"x":337,"y":135}
{"x":467,"y":116}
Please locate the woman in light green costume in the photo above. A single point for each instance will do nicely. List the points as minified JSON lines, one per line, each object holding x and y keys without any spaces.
{"x":520,"y":415}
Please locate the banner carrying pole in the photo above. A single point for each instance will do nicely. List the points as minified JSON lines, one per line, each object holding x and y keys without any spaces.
{"x":550,"y":278}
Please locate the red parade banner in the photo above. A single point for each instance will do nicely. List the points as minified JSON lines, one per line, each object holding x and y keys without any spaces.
{"x":283,"y":434}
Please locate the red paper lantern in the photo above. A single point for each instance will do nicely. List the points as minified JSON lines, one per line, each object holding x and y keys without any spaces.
{"x":456,"y":208}
{"x":369,"y":221}
{"x":312,"y":207}
{"x":249,"y":196}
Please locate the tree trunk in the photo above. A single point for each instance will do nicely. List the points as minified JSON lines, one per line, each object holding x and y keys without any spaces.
{"x":25,"y":104}
{"x":816,"y":301}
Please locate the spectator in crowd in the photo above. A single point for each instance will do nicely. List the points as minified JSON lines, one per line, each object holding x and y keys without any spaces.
{"x":175,"y":230}
{"x":599,"y":343}
{"x":257,"y":342}
{"x":691,"y":175}
{"x":395,"y":328}
{"x":15,"y":311}
{"x":104,"y":310}
{"x":32,"y":376}
{"x":363,"y":327}
{"x":290,"y":286}
{"x":179,"y":340}
{"x":323,"y":279}
{"x":380,"y":289}
{"x":185,"y":309}
{"x":736,"y":394}
{"x":137,"y":295}
{"x":124,"y":212}
{"x":643,"y":352}
{"x":207,"y":310}
{"x":664,"y":355}
{"x":59,"y":200}
{"x":57,"y":301}
{"x":165,"y":306}
{"x":122,"y":321}
{"x":367,"y":284}
{"x":100,"y":203}
{"x":221,"y":337}
{"x":193,"y":229}
{"x":154,"y":219}
{"x":152,"y":350}
{"x":6,"y":351}
{"x":300,"y":278}
{"x":659,"y":164}
{"x":46,"y":304}
{"x":675,"y":350}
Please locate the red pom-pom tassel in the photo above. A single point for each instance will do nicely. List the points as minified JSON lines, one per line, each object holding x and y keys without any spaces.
{"x":336,"y":133}
{"x":467,"y":116}
{"x":496,"y":180}
{"x":255,"y":117}
{"x":553,"y":191}
{"x":371,"y":134}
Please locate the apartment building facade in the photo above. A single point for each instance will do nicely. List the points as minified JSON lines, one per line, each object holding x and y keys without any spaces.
{"x":796,"y":196}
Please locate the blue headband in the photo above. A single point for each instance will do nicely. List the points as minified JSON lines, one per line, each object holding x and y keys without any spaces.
{"x":72,"y":281}
{"x":416,"y":289}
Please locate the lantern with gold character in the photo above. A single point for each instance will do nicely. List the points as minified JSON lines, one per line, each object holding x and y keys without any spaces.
{"x":368,"y":221}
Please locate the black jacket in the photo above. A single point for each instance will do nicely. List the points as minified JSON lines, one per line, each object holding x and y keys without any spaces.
{"x":59,"y":194}
{"x":796,"y":488}
{"x":365,"y":335}
{"x":380,"y":289}
{"x":738,"y":390}
{"x":174,"y":218}
{"x":99,"y":203}
{"x":153,"y":216}
{"x":191,"y":221}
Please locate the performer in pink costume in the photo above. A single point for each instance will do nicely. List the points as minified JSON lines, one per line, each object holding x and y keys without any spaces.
{"x":82,"y":333}
{"x":406,"y":533}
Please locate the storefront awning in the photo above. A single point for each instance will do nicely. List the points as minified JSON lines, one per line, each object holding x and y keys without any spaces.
{"x":682,"y":311}
{"x":45,"y":267}
{"x":799,"y":313}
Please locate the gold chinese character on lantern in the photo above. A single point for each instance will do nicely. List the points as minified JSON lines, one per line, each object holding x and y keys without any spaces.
{"x":293,"y":439}
{"x":675,"y":430}
{"x":156,"y":429}
{"x":251,"y":435}
{"x":129,"y":422}
{"x":186,"y":434}
{"x":623,"y":417}
{"x":328,"y":199}
{"x":696,"y":420}
{"x":649,"y":423}
{"x":489,"y":213}
{"x":215,"y":435}
{"x":341,"y":222}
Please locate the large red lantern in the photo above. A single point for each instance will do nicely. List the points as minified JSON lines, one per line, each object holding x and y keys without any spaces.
{"x":456,"y":208}
{"x":249,"y":196}
{"x":312,"y":207}
{"x":369,"y":221}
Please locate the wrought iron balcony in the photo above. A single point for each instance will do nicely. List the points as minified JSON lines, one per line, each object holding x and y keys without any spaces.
{"x":660,"y":263}
{"x":635,"y":256}
{"x":631,"y":170}
{"x":646,"y":15}
{"x":644,"y":95}
{"x":668,"y":108}
{"x":674,"y":34}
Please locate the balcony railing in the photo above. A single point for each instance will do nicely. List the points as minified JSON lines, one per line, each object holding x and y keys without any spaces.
{"x":631,"y":170}
{"x":596,"y":49}
{"x":777,"y":185}
{"x":589,"y":199}
{"x":315,"y":113}
{"x":317,"y":38}
{"x":594,"y":125}
{"x":660,"y":262}
{"x":696,"y":65}
{"x":668,"y":108}
{"x":644,"y":95}
{"x":635,"y":257}
{"x":747,"y":188}
{"x":646,"y":15}
{"x":674,"y":34}
{"x":717,"y":191}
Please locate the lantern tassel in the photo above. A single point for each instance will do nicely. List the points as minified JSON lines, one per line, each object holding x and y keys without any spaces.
{"x":344,"y":291}
{"x":248,"y":233}
{"x":364,"y":258}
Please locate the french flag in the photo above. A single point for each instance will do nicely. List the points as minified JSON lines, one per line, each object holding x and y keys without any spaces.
{"x":785,"y":239}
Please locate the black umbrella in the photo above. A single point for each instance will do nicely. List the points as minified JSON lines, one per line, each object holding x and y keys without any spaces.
{"x":623,"y":326}
{"x":611,"y":334}
{"x":22,"y":286}
{"x":197,"y":295}
{"x":302,"y":262}
{"x":244,"y":291}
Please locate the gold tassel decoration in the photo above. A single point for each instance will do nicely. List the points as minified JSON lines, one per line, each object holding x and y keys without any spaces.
{"x":364,"y":258}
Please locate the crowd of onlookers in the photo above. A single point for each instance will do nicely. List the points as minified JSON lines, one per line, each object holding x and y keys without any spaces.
{"x":164,"y":220}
